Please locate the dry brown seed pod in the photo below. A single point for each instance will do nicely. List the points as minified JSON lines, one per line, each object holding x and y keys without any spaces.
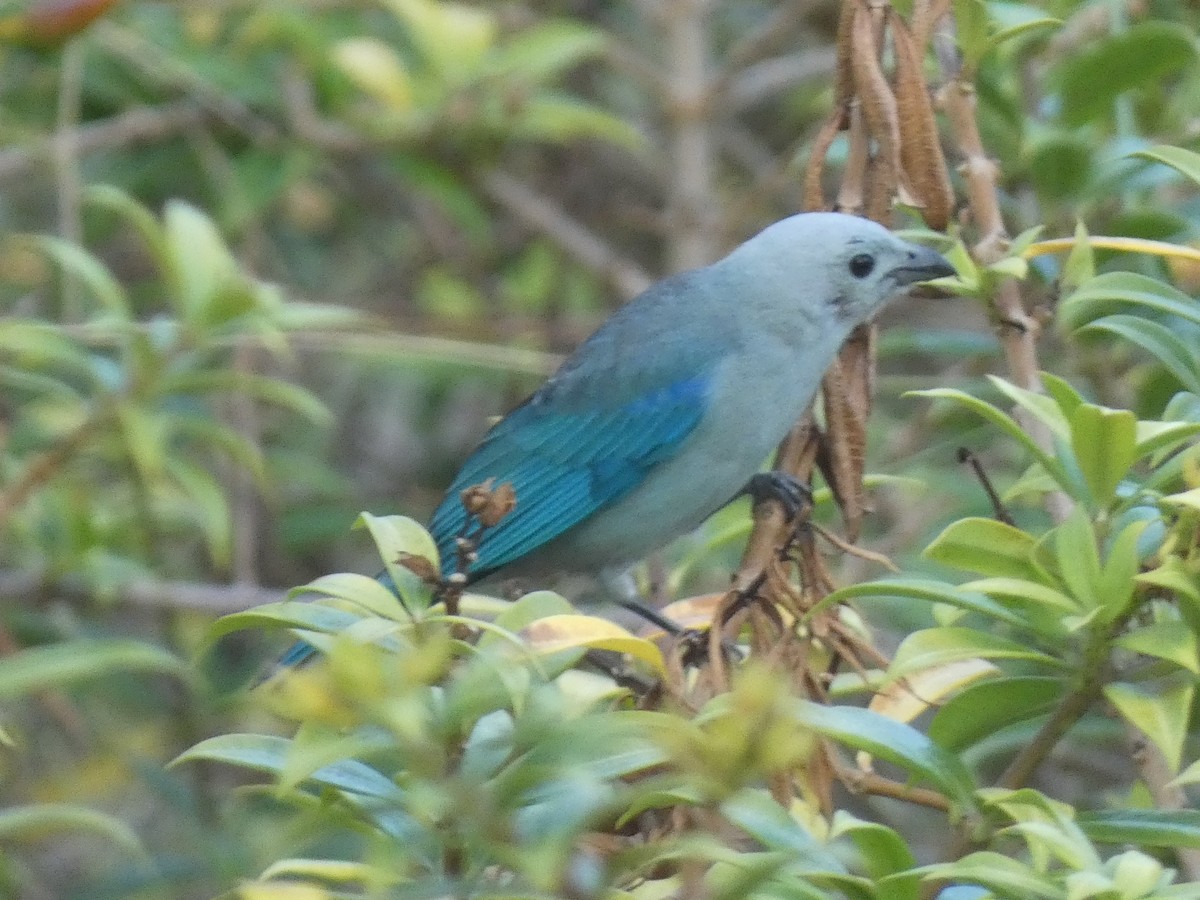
{"x":920,"y":147}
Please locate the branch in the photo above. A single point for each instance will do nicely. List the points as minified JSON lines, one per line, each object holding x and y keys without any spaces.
{"x":216,"y":599}
{"x":135,"y":126}
{"x":575,"y":239}
{"x":688,"y":107}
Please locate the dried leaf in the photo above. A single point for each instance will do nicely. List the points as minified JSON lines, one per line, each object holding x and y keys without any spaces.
{"x":858,"y":159}
{"x":845,"y":446}
{"x":421,"y":567}
{"x":925,"y":16}
{"x":814,"y":192}
{"x":844,"y":83}
{"x":487,"y":504}
{"x":878,"y":109}
{"x":920,"y":148}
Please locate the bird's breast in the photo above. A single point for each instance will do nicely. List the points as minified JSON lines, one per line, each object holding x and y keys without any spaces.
{"x":754,"y":399}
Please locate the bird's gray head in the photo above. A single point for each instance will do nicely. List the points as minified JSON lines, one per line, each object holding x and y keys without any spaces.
{"x":851,"y":265}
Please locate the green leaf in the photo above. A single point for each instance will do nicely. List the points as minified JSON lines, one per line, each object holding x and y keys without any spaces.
{"x":1113,"y":292}
{"x":206,"y":496}
{"x":1081,"y":261}
{"x":893,"y":741}
{"x":143,"y":221}
{"x":1190,"y":775}
{"x":756,"y":813}
{"x":1042,"y":407}
{"x":1172,"y":641}
{"x":1183,"y":161}
{"x":1119,"y":570}
{"x":528,"y":609}
{"x":1022,"y":29}
{"x":542,"y":52}
{"x":267,"y":753}
{"x":972,"y":27}
{"x":260,"y":387}
{"x":1143,"y":827}
{"x":1007,"y":877}
{"x":288,"y":614}
{"x":882,"y":851}
{"x":88,"y":270}
{"x":1160,"y":709}
{"x":559,"y":633}
{"x":43,"y":820}
{"x":397,"y":537}
{"x":69,"y":662}
{"x":1006,"y":423}
{"x":360,"y":590}
{"x":1175,"y":354}
{"x":1028,"y":594}
{"x":932,"y":647}
{"x":1142,"y":55}
{"x":1078,"y":559}
{"x":453,"y":38}
{"x":927,"y":590}
{"x":328,"y":871}
{"x":1061,"y":164}
{"x":1104,"y":444}
{"x":561,"y":119}
{"x":986,"y":707}
{"x":985,"y":547}
{"x":201,"y":266}
{"x":1163,"y":437}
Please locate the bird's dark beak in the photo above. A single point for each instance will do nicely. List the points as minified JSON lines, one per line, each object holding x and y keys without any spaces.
{"x":922,"y":264}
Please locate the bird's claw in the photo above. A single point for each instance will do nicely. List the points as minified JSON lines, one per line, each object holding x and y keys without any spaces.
{"x":694,"y":646}
{"x":790,"y":491}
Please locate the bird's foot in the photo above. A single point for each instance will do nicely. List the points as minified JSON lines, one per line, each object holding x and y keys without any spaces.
{"x":794,"y":494}
{"x":694,"y":645}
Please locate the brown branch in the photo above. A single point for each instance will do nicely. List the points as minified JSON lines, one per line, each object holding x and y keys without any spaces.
{"x":688,"y":107}
{"x":1069,"y":711}
{"x":1157,"y":777}
{"x":571,"y":236}
{"x":857,"y":781}
{"x":45,"y":465}
{"x":135,"y":126}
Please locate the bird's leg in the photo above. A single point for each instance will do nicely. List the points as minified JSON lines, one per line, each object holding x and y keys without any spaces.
{"x":623,"y":589}
{"x":789,"y":490}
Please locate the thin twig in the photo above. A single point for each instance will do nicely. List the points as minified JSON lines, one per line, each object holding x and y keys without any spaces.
{"x":574,"y":238}
{"x":214,"y":599}
{"x":135,"y":126}
{"x":998,"y":509}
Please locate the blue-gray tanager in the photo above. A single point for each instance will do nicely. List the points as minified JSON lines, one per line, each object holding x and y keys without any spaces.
{"x":665,"y":413}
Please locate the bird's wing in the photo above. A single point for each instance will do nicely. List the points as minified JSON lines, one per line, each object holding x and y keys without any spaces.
{"x":565,"y":463}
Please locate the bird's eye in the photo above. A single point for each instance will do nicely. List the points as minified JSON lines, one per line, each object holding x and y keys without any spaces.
{"x":861,"y":265}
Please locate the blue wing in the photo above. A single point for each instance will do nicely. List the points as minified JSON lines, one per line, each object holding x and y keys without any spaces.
{"x":565,"y":461}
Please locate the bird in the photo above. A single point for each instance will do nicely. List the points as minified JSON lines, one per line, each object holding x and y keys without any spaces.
{"x":668,"y":411}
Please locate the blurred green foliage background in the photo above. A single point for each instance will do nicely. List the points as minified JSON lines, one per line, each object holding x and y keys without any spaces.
{"x":268,"y":263}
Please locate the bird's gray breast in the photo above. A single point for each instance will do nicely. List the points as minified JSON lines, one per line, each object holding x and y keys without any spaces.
{"x":754,"y":399}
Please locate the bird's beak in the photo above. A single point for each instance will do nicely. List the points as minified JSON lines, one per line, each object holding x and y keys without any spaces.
{"x":922,"y":264}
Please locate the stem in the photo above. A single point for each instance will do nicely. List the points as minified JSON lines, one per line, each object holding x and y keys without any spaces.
{"x":45,"y":465}
{"x":692,"y":189}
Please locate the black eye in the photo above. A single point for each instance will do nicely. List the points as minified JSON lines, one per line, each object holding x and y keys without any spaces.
{"x":861,"y":265}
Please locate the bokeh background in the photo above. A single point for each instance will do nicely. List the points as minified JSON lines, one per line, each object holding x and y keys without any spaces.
{"x":387,"y":221}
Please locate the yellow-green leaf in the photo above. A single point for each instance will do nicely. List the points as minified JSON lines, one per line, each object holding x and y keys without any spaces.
{"x":553,"y":634}
{"x":1160,"y":709}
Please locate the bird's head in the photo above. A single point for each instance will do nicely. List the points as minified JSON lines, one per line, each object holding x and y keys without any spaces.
{"x":850,"y":265}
